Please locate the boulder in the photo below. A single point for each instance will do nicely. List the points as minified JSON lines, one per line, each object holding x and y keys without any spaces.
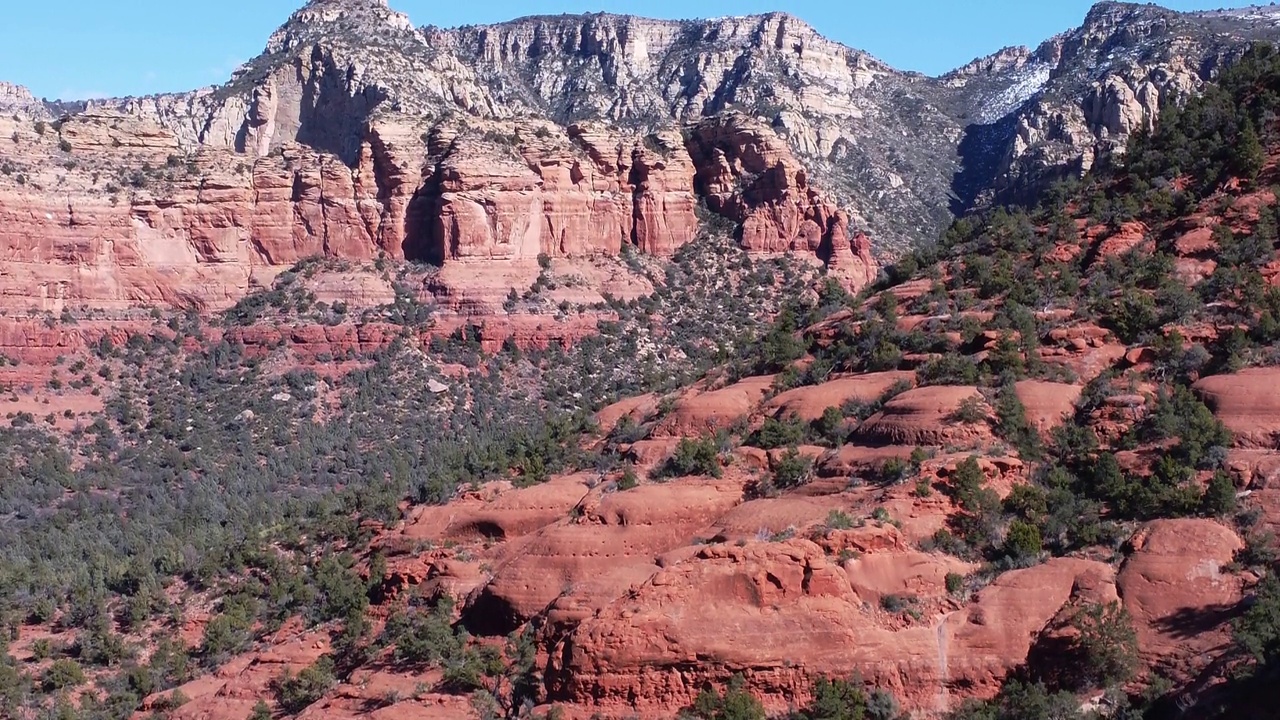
{"x":1175,"y":586}
{"x":1247,"y":403}
{"x":761,"y":519}
{"x":511,"y":513}
{"x":926,"y":416}
{"x":703,"y":413}
{"x":1048,"y":404}
{"x":778,"y":613}
{"x":906,"y":573}
{"x":808,"y":403}
{"x":581,"y":565}
{"x":558,"y":560}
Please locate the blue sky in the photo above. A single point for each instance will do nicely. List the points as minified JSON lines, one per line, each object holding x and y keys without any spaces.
{"x":84,"y":48}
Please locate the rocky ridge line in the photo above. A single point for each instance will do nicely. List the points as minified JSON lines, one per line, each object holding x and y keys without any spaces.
{"x":351,"y":90}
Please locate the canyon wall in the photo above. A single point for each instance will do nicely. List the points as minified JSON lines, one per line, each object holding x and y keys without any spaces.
{"x":104,"y":210}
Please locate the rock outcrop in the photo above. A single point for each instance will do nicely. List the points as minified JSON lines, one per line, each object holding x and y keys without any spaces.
{"x":756,"y":609}
{"x":1105,"y":80}
{"x":545,"y":197}
{"x":16,"y":99}
{"x":756,"y":182}
{"x":839,"y":108}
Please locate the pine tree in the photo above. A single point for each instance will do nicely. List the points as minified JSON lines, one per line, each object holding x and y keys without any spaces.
{"x":1247,"y":155}
{"x":1220,"y":497}
{"x":1107,"y":644}
{"x":261,"y":711}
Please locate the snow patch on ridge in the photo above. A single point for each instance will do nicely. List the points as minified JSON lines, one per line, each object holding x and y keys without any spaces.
{"x":1265,"y":14}
{"x":1023,"y":85}
{"x":1258,"y":12}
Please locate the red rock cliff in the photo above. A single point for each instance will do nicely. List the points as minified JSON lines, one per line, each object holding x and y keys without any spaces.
{"x":105,"y":210}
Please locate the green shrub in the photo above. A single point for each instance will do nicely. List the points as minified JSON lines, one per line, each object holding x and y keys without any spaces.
{"x":62,"y":674}
{"x":100,"y":646}
{"x":898,"y":603}
{"x":895,"y":470}
{"x":781,"y":346}
{"x":735,"y":703}
{"x":1021,"y":701}
{"x":1247,"y":156}
{"x":1023,"y":541}
{"x":628,"y":480}
{"x":693,"y":457}
{"x":917,"y":458}
{"x":977,"y":523}
{"x":885,"y":355}
{"x":1259,"y":551}
{"x":41,"y":649}
{"x":955,"y":583}
{"x":425,"y":638}
{"x":1168,"y":492}
{"x":792,"y":470}
{"x":860,"y":411}
{"x":1132,"y":315}
{"x":628,"y":431}
{"x":1106,"y":645}
{"x":1013,"y":426}
{"x":261,"y":711}
{"x":967,"y":481}
{"x":342,"y":594}
{"x":830,"y":427}
{"x":1007,"y":358}
{"x":835,"y":699}
{"x":295,"y":693}
{"x":1257,"y":632}
{"x":944,"y":541}
{"x":779,"y":433}
{"x":839,"y":520}
{"x":172,"y":701}
{"x":950,"y":369}
{"x":1027,"y":502}
{"x":1181,"y":415}
{"x":971,"y":410}
{"x":229,"y":631}
{"x":1219,"y":497}
{"x":467,"y":671}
